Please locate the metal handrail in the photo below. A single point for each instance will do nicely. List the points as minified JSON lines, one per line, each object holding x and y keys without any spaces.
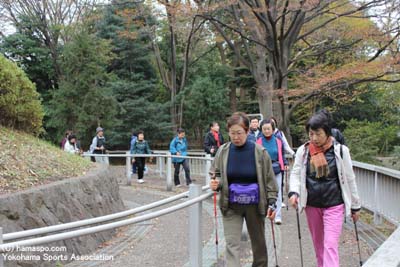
{"x":379,"y":169}
{"x":378,"y":188}
{"x":144,"y":156}
{"x":100,"y":228}
{"x":100,"y":219}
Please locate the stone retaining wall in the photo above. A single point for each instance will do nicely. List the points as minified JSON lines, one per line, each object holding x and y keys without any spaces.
{"x":92,"y":195}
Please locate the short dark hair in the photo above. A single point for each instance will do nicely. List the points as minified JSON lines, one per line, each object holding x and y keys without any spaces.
{"x":320,"y":120}
{"x":213,"y":123}
{"x":268,"y":121}
{"x":71,"y":136}
{"x":180,"y":130}
{"x":140,"y":132}
{"x":254,"y":118}
{"x":239,"y":118}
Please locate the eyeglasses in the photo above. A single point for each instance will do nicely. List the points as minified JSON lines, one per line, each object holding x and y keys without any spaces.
{"x":237,"y":133}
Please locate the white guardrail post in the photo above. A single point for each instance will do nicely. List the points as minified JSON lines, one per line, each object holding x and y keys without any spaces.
{"x":207,"y":168}
{"x":128,"y":168}
{"x":195,"y":226}
{"x":1,"y":242}
{"x":160,"y":165}
{"x":377,"y":217}
{"x":169,"y":172}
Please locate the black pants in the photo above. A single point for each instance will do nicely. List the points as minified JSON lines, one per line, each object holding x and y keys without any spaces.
{"x":185,"y":165}
{"x":140,"y":164}
{"x":96,"y":151}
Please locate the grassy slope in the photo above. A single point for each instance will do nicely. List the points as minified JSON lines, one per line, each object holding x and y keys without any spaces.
{"x":26,"y":161}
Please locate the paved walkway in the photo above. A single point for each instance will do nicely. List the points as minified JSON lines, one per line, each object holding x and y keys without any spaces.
{"x":164,"y":241}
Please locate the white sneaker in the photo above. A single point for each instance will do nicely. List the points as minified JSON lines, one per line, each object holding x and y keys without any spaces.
{"x":283,"y":205}
{"x":140,"y":181}
{"x":179,"y":185}
{"x":278,"y":221}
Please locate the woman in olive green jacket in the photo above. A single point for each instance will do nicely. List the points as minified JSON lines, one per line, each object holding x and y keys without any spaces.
{"x":242,"y":172}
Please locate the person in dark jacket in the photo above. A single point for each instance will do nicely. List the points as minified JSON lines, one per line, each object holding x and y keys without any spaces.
{"x":254,"y":132}
{"x":98,"y":145}
{"x":132,"y":143}
{"x":213,"y":139}
{"x":140,"y":147}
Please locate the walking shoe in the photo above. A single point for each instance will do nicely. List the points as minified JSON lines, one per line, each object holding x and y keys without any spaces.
{"x":140,"y":181}
{"x":178,"y":185}
{"x":278,"y":221}
{"x":283,"y":205}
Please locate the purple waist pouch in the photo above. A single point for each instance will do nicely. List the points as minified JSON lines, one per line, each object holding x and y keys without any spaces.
{"x":244,"y":194}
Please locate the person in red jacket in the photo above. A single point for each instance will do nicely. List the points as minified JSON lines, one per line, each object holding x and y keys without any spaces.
{"x":213,"y":139}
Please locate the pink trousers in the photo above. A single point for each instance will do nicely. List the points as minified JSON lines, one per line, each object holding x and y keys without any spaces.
{"x":325,"y":225}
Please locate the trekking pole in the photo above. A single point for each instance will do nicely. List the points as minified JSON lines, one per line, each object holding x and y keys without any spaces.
{"x":298,"y":230}
{"x":273,"y":240}
{"x":358,"y":243}
{"x":214,"y":176}
{"x":287,"y":189}
{"x":216,"y":225}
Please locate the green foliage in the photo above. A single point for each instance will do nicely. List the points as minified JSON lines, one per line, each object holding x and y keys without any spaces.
{"x":396,"y":151}
{"x":205,"y":98}
{"x":83,"y":100}
{"x":20,"y":106}
{"x":369,"y":139}
{"x":33,"y":57}
{"x":135,"y":86}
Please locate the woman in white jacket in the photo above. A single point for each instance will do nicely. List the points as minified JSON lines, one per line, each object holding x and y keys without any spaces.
{"x":323,"y":184}
{"x":70,"y":145}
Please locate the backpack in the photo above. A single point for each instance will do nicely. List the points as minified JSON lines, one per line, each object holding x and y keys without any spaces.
{"x":338,"y":136}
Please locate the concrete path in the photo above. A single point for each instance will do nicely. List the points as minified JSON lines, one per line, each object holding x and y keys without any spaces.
{"x":164,"y":241}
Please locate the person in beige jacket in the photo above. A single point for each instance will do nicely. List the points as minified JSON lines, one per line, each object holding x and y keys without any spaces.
{"x":242,"y":172}
{"x":322,"y":183}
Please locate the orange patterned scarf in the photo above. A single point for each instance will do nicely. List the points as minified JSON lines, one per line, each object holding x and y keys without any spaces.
{"x":318,"y":161}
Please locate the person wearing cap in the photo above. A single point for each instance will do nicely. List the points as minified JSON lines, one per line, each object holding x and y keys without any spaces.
{"x":98,"y":144}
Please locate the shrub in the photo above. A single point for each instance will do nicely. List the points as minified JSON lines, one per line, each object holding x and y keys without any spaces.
{"x":370,"y":139}
{"x":20,"y":107}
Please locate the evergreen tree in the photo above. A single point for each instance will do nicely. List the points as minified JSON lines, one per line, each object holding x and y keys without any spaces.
{"x":135,"y":88}
{"x":205,"y":99}
{"x":84,"y":100}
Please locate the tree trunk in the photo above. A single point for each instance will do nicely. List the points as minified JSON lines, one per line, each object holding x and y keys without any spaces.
{"x":232,"y":87}
{"x":232,"y":98}
{"x":173,"y":109}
